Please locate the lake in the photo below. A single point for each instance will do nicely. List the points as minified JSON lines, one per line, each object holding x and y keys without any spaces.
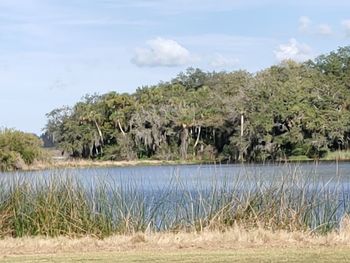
{"x":193,"y":176}
{"x":171,"y":196}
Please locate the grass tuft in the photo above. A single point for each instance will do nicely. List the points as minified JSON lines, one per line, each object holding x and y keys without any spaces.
{"x":62,"y":206}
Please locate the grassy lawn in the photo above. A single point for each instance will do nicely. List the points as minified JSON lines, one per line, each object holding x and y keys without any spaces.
{"x":238,"y":255}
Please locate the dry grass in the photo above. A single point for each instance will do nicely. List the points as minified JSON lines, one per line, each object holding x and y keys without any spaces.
{"x":80,"y":163}
{"x":234,"y":245}
{"x":234,"y":238}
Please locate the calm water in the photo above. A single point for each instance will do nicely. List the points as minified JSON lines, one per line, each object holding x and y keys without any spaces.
{"x":192,"y":176}
{"x":178,"y":189}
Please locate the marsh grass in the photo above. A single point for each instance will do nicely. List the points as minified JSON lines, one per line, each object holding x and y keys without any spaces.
{"x":338,"y":155}
{"x":62,"y":206}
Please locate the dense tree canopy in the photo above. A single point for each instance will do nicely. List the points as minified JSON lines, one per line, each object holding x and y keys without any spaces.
{"x":285,"y":110}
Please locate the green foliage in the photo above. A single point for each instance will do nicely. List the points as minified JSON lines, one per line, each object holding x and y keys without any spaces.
{"x":289,"y":109}
{"x":17,"y":149}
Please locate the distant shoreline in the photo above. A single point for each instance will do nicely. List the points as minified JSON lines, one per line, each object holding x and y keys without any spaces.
{"x":83,"y":163}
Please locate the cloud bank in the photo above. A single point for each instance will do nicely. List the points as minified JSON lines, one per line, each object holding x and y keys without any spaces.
{"x":161,"y":52}
{"x":293,"y":50}
{"x":306,"y":26}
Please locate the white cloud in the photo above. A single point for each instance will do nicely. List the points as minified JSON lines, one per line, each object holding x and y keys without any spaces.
{"x":293,"y":50}
{"x":161,"y":52}
{"x":304,"y":24}
{"x":346,"y":25}
{"x":325,"y":29}
{"x":225,"y":42}
{"x":220,"y":61}
{"x":241,"y":51}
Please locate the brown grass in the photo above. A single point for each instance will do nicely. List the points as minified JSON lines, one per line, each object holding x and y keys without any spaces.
{"x":80,"y":163}
{"x":234,"y":238}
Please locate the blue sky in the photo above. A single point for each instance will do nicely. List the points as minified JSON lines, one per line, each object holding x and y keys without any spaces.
{"x":52,"y":52}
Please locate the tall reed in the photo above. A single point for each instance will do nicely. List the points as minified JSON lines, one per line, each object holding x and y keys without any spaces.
{"x":64,"y":206}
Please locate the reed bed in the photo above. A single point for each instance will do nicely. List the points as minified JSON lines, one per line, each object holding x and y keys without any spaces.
{"x":64,"y":206}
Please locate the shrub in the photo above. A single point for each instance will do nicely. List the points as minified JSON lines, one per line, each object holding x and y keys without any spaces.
{"x":8,"y":160}
{"x":17,"y":147}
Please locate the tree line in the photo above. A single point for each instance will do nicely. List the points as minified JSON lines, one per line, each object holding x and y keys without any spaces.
{"x":289,"y":109}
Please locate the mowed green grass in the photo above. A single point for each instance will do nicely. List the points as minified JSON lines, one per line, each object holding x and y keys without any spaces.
{"x":238,"y":255}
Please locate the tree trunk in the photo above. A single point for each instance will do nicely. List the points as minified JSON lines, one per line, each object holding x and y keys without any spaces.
{"x":242,"y":133}
{"x":121,"y":128}
{"x":198,"y":136}
{"x":184,"y":142}
{"x":100,"y":134}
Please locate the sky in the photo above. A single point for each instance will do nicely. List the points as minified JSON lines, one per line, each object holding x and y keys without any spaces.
{"x":53,"y":52}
